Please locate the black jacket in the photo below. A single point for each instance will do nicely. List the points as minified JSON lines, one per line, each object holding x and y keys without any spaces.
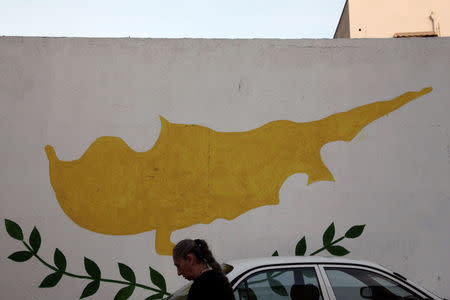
{"x":211,"y":285}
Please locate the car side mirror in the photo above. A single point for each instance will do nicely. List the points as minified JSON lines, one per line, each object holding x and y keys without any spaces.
{"x":366,"y":292}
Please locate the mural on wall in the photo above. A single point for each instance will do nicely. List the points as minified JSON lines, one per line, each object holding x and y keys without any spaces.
{"x":195,"y":175}
{"x":159,"y":288}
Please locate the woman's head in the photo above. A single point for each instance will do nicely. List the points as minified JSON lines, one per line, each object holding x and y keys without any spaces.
{"x":192,"y":257}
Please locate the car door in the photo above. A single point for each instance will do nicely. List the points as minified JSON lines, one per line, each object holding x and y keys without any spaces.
{"x":359,"y":283}
{"x":281,"y":283}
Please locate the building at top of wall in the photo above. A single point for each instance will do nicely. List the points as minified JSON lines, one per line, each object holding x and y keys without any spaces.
{"x":394,"y":18}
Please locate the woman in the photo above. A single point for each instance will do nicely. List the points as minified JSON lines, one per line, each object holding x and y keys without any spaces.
{"x":194,"y":261}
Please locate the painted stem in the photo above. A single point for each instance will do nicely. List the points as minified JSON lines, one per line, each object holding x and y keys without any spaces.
{"x":40,"y":259}
{"x":88,"y":277}
{"x":325,"y":247}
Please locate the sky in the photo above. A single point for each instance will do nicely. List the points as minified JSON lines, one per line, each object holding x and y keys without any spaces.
{"x":284,"y":19}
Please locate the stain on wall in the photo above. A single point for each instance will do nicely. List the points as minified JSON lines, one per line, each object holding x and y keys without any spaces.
{"x":195,"y":175}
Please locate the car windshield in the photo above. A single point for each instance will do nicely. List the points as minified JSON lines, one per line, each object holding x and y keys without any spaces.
{"x":182,"y":292}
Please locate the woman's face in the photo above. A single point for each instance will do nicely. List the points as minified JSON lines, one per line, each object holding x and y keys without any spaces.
{"x":185,"y":266}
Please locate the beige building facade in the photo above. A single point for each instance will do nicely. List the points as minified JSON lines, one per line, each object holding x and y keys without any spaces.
{"x":394,"y":18}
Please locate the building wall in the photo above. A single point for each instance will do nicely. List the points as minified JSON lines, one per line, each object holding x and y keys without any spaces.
{"x":384,"y":18}
{"x":89,"y":140}
{"x":343,"y":29}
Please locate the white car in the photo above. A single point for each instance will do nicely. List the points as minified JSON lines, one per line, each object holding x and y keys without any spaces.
{"x":315,"y":278}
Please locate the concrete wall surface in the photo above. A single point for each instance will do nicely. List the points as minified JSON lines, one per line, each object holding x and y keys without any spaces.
{"x":221,"y":175}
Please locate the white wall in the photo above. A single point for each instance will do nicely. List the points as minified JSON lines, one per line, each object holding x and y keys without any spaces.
{"x":394,"y":176}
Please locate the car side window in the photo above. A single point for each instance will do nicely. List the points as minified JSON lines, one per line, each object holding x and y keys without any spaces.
{"x":358,"y":284}
{"x":280,"y":284}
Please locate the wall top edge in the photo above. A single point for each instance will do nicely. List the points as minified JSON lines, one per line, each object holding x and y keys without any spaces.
{"x":186,"y":43}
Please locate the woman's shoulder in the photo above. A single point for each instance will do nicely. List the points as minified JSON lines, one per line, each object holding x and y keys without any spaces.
{"x":212,"y":278}
{"x":211,"y":284}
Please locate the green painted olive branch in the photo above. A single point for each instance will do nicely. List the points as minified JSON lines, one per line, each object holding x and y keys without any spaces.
{"x":91,"y":267}
{"x":326,"y":247}
{"x":88,"y":277}
{"x":328,"y":243}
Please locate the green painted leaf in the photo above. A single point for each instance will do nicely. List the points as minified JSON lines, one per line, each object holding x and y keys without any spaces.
{"x":125,"y":293}
{"x":20,"y":256}
{"x":277,"y":287}
{"x":14,"y":230}
{"x":60,"y":260}
{"x":355,"y":231}
{"x":51,"y":280}
{"x":155,"y":296}
{"x":91,"y":268}
{"x":90,"y":289}
{"x":300,"y":249}
{"x":328,"y":235}
{"x":35,"y":240}
{"x":158,"y":280}
{"x":275,"y":253}
{"x":338,"y":250}
{"x":127,"y":273}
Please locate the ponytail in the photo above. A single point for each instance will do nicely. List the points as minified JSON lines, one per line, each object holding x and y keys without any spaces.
{"x":200,"y":249}
{"x":206,"y":255}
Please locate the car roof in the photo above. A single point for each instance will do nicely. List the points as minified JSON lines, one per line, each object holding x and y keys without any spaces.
{"x":243,"y":265}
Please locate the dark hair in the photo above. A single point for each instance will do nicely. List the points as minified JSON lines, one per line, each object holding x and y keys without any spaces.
{"x":200,"y":249}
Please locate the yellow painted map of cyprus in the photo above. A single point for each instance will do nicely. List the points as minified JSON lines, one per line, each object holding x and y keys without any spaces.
{"x":195,"y":175}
